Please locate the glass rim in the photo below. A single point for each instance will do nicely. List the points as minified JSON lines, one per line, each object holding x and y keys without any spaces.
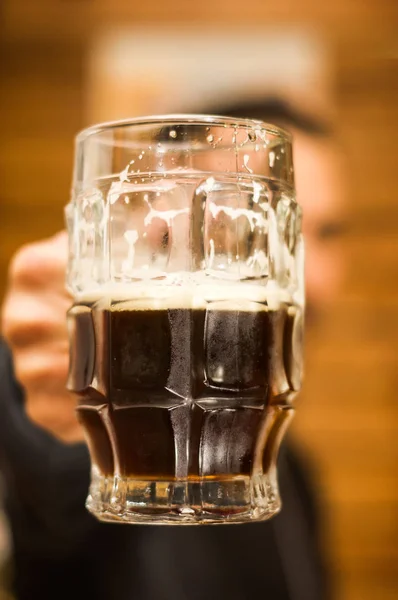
{"x":184,"y":119}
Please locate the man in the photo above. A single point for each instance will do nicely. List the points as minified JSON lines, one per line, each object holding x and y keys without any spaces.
{"x":60,"y":550}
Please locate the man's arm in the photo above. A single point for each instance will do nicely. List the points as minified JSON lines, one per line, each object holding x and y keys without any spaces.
{"x":46,"y":470}
{"x":46,"y":480}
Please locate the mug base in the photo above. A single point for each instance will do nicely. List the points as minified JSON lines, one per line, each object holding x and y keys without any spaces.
{"x":236,"y":499}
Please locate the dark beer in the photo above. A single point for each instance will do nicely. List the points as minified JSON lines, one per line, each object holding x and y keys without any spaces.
{"x":177,"y":389}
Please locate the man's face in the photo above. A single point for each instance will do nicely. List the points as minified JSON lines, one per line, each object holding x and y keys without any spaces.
{"x":320,"y":194}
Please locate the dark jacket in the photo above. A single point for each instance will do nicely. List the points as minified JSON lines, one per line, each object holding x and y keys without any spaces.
{"x":62,"y":552}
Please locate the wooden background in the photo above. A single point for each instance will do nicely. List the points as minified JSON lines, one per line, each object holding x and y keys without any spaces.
{"x":349,"y":420}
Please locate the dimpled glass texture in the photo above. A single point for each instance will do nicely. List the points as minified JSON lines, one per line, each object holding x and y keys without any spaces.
{"x":186,"y":268}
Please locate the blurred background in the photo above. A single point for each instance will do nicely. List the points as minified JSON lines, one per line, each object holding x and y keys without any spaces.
{"x":66,"y":64}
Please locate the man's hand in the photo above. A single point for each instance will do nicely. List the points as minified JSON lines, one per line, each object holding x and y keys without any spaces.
{"x":34,"y":326}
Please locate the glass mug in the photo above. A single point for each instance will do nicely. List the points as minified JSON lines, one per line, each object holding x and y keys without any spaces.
{"x":186,"y":266}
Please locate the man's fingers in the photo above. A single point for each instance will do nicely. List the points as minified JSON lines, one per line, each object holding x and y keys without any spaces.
{"x":40,"y":370}
{"x":40,"y":265}
{"x":56,"y":413}
{"x":33,"y":319}
{"x":34,"y":325}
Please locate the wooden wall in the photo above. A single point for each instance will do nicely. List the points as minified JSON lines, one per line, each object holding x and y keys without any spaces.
{"x":349,"y":419}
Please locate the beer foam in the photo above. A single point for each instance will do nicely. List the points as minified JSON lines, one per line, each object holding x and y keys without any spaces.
{"x":156,"y":296}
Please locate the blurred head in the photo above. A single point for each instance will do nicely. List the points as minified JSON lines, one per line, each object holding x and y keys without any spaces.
{"x":319,"y":192}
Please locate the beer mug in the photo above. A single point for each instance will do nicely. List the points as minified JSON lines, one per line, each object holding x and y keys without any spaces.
{"x":186,"y":268}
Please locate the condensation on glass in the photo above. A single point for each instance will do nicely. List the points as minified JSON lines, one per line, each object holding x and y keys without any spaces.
{"x":186,"y":266}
